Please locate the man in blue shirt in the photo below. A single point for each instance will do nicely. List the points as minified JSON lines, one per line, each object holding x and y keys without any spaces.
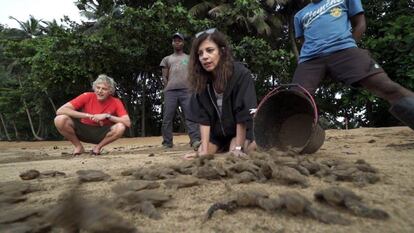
{"x":329,"y":30}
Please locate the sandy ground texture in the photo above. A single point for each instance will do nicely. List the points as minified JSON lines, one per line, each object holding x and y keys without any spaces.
{"x":145,"y":188}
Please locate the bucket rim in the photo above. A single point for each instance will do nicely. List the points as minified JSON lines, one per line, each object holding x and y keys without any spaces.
{"x":286,"y":87}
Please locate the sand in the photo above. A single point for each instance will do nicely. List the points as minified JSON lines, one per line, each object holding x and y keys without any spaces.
{"x":390,"y":150}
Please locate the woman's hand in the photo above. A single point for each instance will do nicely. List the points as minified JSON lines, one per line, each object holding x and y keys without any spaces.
{"x":238,"y":153}
{"x":190,"y":156}
{"x":199,"y":152}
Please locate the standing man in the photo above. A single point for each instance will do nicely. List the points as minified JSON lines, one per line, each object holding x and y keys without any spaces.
{"x":329,"y":30}
{"x":176,"y":92}
{"x":93,"y":117}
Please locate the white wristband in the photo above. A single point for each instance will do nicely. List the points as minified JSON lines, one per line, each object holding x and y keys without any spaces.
{"x":238,"y":148}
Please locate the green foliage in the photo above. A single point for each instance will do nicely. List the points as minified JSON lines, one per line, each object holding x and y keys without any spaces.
{"x":270,"y":67}
{"x":44,"y":64}
{"x":397,"y":40}
{"x":239,"y":18}
{"x":64,"y":63}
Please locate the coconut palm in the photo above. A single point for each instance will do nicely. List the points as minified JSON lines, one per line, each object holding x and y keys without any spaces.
{"x":31,"y":27}
{"x":96,"y":11}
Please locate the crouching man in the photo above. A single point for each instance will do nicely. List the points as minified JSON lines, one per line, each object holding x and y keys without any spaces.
{"x":93,"y":117}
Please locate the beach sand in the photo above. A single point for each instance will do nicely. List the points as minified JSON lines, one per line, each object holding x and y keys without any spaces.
{"x":389,"y":150}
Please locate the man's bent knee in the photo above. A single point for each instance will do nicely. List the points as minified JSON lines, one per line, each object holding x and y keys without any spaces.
{"x":117,"y":129}
{"x":61,"y":120}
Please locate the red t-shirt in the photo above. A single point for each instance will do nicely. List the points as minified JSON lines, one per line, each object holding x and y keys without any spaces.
{"x":87,"y":102}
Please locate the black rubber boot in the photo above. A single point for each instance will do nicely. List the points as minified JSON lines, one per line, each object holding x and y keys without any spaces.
{"x":403,"y":110}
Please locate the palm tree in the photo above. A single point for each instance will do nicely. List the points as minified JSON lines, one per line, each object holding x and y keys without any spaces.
{"x":31,"y":27}
{"x":96,"y":11}
{"x":49,"y":27}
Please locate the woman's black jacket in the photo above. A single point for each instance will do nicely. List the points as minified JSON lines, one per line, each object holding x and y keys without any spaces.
{"x":239,"y":98}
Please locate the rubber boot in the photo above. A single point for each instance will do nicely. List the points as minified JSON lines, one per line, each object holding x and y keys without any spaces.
{"x":403,"y":110}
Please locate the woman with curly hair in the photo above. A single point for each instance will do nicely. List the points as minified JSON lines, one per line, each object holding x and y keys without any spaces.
{"x":224,"y":96}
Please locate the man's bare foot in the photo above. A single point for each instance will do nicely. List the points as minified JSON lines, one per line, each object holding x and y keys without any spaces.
{"x":78,"y":151}
{"x":96,"y":151}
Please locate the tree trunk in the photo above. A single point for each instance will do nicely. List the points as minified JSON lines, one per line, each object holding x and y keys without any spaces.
{"x":39,"y":129}
{"x":144,"y":78}
{"x":5,"y":128}
{"x":292,"y":38}
{"x":1,"y":134}
{"x":369,"y":114}
{"x":31,"y":122}
{"x":16,"y":132}
{"x":51,"y":101}
{"x":28,"y":114}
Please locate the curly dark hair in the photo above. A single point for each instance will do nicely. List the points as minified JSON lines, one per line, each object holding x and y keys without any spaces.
{"x":198,"y":76}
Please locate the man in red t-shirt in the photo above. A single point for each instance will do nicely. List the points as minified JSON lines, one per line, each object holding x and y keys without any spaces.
{"x":93,"y":117}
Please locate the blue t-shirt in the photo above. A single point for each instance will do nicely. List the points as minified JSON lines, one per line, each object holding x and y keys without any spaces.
{"x":326,"y":27}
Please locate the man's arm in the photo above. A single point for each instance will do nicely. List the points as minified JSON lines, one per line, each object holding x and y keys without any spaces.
{"x":300,"y":40}
{"x":69,"y":110}
{"x":123,"y":119}
{"x":164,"y":76}
{"x":358,"y":26}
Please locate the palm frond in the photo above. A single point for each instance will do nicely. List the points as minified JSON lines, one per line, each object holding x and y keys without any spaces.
{"x":261,"y":26}
{"x":283,"y":2}
{"x":201,"y":8}
{"x":275,"y":21}
{"x":243,"y":21}
{"x":22,"y":25}
{"x":89,"y":15}
{"x":270,"y":3}
{"x":219,"y":10}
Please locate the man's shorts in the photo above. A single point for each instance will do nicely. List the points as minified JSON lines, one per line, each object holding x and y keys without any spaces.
{"x":348,"y":66}
{"x":89,"y":133}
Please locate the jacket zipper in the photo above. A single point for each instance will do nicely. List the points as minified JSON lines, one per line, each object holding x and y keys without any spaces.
{"x":216,"y":108}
